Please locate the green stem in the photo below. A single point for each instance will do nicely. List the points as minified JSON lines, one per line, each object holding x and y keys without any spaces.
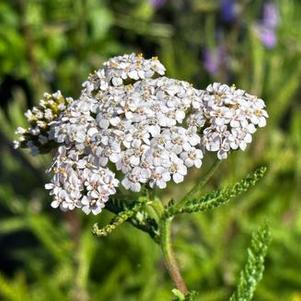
{"x":169,"y":257}
{"x":195,"y":191}
{"x":166,"y":246}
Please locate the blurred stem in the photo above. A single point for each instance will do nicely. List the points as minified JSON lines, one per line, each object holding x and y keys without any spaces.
{"x":79,"y":291}
{"x":169,"y":257}
{"x":195,"y":191}
{"x":26,"y":28}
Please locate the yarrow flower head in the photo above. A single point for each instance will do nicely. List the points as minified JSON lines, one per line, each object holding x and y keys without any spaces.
{"x":149,"y":129}
{"x":80,"y":182}
{"x":232,"y":116}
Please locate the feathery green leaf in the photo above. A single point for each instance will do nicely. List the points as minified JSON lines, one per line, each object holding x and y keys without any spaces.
{"x":119,"y":219}
{"x":141,"y":220}
{"x":217,"y":198}
{"x":253,"y":270}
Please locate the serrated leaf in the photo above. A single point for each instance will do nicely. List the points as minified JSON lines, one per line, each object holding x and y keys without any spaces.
{"x":253,"y":270}
{"x":218,"y":198}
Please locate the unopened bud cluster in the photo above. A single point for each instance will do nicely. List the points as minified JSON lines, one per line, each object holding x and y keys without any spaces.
{"x":36,"y":137}
{"x":133,"y":120}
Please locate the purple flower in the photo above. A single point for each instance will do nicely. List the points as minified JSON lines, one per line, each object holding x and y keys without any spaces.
{"x":266,"y":29}
{"x":228,"y":11}
{"x":157,"y":3}
{"x":268,"y":37}
{"x":214,"y":59}
{"x":270,"y":17}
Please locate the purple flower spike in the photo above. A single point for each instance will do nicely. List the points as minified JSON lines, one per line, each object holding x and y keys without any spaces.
{"x":270,"y":16}
{"x":228,"y":11}
{"x":214,"y":59}
{"x":268,"y":37}
{"x":157,"y":3}
{"x":266,"y":29}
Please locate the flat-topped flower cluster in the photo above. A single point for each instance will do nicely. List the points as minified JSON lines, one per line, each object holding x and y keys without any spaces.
{"x":133,"y":120}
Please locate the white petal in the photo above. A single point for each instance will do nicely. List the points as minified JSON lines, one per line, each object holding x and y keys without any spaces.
{"x":49,"y":186}
{"x":251,"y":128}
{"x":55,"y":204}
{"x":262,"y":122}
{"x":126,"y":183}
{"x":198,"y":163}
{"x":182,"y":169}
{"x":136,"y":187}
{"x":114,"y":157}
{"x":178,"y":178}
{"x":115,"y":121}
{"x":154,"y":130}
{"x":116,"y":81}
{"x":242,"y":145}
{"x":194,"y":140}
{"x":97,"y":210}
{"x":92,"y":131}
{"x":189,"y":162}
{"x":248,"y":138}
{"x":104,"y":123}
{"x":166,"y":176}
{"x":161,"y":184}
{"x":180,"y":115}
{"x":235,"y":123}
{"x":135,"y":160}
{"x":222,"y":155}
{"x":86,"y":209}
{"x":133,"y":74}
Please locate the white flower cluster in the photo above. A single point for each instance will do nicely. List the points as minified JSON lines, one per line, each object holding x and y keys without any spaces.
{"x":132,"y":119}
{"x":121,"y":69}
{"x":36,"y":137}
{"x":80,"y":182}
{"x":137,"y":127}
{"x":232,"y":116}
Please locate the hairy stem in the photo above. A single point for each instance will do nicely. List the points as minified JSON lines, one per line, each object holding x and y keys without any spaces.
{"x":169,"y":257}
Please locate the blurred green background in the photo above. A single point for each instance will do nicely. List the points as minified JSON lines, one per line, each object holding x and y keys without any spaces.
{"x":47,"y":45}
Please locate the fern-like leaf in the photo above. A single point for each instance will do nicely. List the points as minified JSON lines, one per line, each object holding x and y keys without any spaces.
{"x":253,"y":270}
{"x":217,"y":198}
{"x":119,"y":219}
{"x":141,"y":220}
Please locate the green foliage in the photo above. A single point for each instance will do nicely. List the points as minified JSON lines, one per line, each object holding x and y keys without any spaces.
{"x":253,"y":270}
{"x":142,"y":220}
{"x":218,"y":198}
{"x":190,"y":296}
{"x":16,"y":291}
{"x":179,"y":296}
{"x":118,"y":220}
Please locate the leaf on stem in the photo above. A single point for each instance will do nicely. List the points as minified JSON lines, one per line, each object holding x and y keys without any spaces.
{"x":140,"y":220}
{"x":219,"y":197}
{"x":253,"y":270}
{"x":119,"y":219}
